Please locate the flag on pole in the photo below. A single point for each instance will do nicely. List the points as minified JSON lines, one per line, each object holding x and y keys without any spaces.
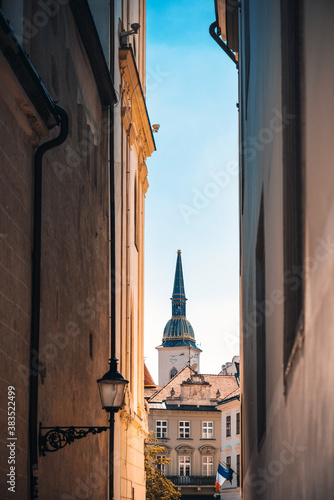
{"x":222,"y":473}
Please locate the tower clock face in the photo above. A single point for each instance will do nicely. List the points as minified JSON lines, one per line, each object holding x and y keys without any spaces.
{"x":173,"y":359}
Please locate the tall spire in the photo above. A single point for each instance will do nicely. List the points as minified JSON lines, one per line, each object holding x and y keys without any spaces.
{"x":178,"y":330}
{"x":179,"y":296}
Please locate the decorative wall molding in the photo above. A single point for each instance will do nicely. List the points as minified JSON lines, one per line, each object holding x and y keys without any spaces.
{"x":134,"y":112}
{"x":128,"y":420}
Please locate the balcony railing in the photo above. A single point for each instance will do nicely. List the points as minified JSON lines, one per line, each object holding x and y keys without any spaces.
{"x":193,"y":480}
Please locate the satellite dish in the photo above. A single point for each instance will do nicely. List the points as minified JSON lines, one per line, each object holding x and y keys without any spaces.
{"x":194,"y":366}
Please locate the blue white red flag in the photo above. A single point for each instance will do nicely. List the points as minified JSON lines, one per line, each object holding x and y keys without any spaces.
{"x":222,"y":474}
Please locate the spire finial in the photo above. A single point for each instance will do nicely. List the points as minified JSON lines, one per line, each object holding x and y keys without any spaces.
{"x":179,"y":296}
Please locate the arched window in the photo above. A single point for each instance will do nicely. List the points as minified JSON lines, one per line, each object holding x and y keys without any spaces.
{"x":173,"y":372}
{"x":136,"y":214}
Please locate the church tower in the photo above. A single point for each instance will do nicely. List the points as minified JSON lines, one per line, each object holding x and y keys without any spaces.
{"x":178,"y":347}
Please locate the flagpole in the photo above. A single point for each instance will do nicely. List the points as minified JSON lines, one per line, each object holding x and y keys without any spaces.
{"x":224,"y":464}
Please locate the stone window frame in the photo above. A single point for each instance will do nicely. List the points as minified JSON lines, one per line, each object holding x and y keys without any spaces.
{"x":228,"y":426}
{"x":237,"y":423}
{"x":206,"y":430}
{"x":163,"y":468}
{"x":159,"y":433}
{"x":206,"y":461}
{"x":184,"y":429}
{"x":186,"y":460}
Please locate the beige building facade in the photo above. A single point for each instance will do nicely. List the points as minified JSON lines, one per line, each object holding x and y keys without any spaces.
{"x":133,"y":143}
{"x":187,"y":422}
{"x":59,"y":328}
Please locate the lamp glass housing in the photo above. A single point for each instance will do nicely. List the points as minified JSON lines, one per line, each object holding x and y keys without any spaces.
{"x":112,"y":388}
{"x":112,"y":393}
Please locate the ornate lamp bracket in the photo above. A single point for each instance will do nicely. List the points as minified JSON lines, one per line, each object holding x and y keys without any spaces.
{"x":58,"y":437}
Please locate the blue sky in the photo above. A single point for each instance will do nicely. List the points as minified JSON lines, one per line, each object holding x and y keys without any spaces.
{"x":192,"y":200}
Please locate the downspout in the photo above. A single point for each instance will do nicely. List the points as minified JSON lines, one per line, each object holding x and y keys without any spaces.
{"x":112,"y":224}
{"x":220,"y":42}
{"x":36,"y":298}
{"x":112,"y":278}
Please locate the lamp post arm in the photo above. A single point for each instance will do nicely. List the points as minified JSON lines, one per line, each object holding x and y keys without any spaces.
{"x":58,"y":437}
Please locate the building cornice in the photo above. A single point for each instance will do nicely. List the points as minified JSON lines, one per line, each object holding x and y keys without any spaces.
{"x":134,"y":112}
{"x":164,"y":347}
{"x":187,"y":409}
{"x":229,"y":400}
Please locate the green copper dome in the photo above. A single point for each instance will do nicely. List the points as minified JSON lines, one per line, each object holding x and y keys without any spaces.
{"x":178,"y":331}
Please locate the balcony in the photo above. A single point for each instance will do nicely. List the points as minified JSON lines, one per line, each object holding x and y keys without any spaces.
{"x":193,"y":480}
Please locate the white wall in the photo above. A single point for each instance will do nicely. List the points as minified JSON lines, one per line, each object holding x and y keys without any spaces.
{"x":181,"y":357}
{"x":230,"y":446}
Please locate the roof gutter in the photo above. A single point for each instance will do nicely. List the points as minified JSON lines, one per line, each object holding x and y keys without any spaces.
{"x":220,"y":42}
{"x":228,"y":400}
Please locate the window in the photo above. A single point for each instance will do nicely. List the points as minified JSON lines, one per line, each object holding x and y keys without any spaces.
{"x":136,"y":214}
{"x":207,"y":430}
{"x":238,"y":470}
{"x":293,"y":173}
{"x":228,"y":462}
{"x":228,"y":426}
{"x":184,"y":466}
{"x":173,"y":372}
{"x":184,"y":429}
{"x":238,"y":423}
{"x":207,"y":466}
{"x":162,"y":467}
{"x":261,"y":328}
{"x":91,"y":346}
{"x":161,"y":428}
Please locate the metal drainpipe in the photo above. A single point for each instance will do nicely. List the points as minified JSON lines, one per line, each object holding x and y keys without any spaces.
{"x":112,"y":268}
{"x":221,"y":44}
{"x":112,"y":277}
{"x":36,"y":298}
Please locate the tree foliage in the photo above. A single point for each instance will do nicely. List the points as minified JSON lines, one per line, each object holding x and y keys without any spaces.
{"x":158,"y":486}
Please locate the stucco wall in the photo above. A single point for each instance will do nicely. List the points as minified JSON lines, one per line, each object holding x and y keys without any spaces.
{"x":298,"y":416}
{"x":74,"y":342}
{"x":75,"y":282}
{"x":15,"y":299}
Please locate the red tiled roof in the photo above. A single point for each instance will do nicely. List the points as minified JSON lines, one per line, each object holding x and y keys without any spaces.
{"x":226,"y":384}
{"x":231,"y":395}
{"x":148,"y":380}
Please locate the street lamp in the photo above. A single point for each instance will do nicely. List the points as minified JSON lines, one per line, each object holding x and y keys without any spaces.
{"x":112,"y":389}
